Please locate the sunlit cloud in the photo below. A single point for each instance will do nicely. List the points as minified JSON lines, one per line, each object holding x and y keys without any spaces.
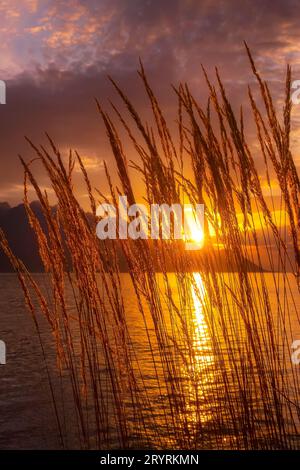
{"x":55,"y":57}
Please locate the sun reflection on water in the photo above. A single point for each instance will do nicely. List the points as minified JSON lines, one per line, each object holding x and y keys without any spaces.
{"x":202,"y":340}
{"x":201,"y":365}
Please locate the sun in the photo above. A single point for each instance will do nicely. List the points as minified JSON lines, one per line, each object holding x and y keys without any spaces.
{"x":197,"y":234}
{"x":193,"y":232}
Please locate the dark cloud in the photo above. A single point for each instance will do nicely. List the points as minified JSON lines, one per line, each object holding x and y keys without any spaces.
{"x":70,"y":47}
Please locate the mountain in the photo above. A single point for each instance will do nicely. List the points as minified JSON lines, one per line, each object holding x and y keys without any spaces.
{"x":4,"y":207}
{"x":22,"y":240}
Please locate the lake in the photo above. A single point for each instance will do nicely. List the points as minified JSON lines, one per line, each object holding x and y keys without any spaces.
{"x":28,"y":419}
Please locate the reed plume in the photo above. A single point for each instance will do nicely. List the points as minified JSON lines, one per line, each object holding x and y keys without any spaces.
{"x":214,"y":370}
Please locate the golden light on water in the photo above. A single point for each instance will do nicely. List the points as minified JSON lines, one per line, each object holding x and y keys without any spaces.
{"x":201,"y":333}
{"x":200,"y":371}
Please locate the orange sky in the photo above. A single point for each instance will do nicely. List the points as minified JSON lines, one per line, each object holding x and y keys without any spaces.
{"x":55,"y":58}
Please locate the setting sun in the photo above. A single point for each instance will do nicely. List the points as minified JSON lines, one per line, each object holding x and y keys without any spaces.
{"x":149,"y":232}
{"x":194,"y":234}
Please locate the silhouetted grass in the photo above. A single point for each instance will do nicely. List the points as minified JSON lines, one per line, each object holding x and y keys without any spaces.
{"x":216,"y":343}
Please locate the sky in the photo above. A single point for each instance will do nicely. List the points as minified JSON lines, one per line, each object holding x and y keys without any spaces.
{"x":56,"y":56}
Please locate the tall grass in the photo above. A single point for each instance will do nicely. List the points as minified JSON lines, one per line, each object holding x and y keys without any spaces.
{"x":215,"y":370}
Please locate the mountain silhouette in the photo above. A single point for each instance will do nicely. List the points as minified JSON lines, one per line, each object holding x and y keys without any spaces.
{"x":22,"y":241}
{"x":20,"y":236}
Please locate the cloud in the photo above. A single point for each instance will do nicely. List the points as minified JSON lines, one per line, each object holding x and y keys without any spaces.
{"x":57,"y":55}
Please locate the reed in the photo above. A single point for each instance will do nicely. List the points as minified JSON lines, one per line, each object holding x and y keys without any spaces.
{"x":215,"y":369}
